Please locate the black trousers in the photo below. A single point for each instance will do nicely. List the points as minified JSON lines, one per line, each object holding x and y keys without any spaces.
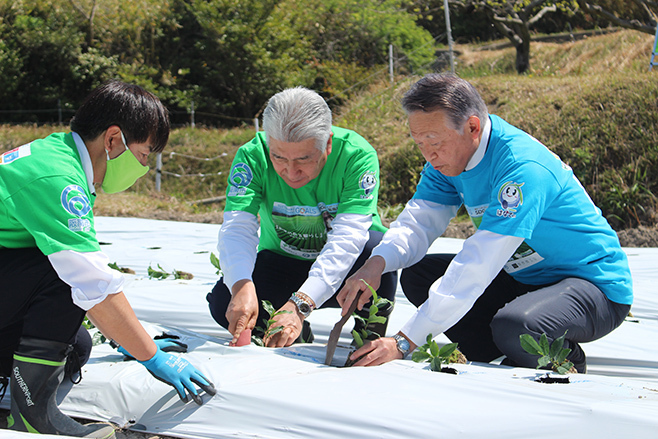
{"x":508,"y":309}
{"x":276,"y":277}
{"x":35,"y":302}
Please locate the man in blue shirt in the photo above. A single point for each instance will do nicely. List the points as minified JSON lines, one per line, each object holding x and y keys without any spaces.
{"x":543,"y":258}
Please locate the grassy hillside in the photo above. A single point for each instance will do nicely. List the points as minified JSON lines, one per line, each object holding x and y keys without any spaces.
{"x":591,"y":101}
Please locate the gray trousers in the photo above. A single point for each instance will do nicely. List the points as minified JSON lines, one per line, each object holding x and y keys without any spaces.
{"x":508,"y":309}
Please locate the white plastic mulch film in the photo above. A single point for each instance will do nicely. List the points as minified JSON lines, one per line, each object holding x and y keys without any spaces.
{"x":290,"y":393}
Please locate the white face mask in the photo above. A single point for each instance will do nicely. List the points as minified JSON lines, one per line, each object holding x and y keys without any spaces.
{"x":122,"y":171}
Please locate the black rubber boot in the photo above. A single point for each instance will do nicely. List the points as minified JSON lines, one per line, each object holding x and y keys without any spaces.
{"x":37,"y":371}
{"x":375,"y":330}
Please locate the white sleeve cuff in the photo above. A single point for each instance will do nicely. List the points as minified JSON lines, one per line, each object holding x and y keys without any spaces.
{"x":317,"y":290}
{"x":88,"y":274}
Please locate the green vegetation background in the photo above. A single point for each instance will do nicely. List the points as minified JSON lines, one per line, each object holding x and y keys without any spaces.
{"x":592,"y":101}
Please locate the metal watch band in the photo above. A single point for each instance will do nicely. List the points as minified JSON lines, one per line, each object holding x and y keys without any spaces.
{"x":304,"y":307}
{"x":403,"y":345}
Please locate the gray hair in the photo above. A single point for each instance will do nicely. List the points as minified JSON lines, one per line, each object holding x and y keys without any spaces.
{"x":446,"y":92}
{"x":297,"y":114}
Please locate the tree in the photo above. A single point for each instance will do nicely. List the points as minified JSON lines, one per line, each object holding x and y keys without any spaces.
{"x":513,"y":19}
{"x":643,"y":17}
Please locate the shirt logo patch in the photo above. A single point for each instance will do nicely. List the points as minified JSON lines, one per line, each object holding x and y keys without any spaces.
{"x":74,"y":201}
{"x":15,"y":154}
{"x":240,"y":177}
{"x":510,"y":198}
{"x":367,"y":183}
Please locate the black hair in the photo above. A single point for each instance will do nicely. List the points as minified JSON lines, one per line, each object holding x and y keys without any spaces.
{"x":139,"y":113}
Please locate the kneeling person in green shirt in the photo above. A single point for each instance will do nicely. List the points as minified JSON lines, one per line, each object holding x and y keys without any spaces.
{"x":315,"y":189}
{"x":52,"y":271}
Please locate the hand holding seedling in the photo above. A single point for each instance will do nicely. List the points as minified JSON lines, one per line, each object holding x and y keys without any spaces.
{"x":289,"y":318}
{"x":378,"y":352}
{"x":369,"y":274}
{"x":242,"y":311}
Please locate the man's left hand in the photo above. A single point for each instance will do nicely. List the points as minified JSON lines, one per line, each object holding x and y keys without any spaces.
{"x":292,"y":327}
{"x":377,"y":352}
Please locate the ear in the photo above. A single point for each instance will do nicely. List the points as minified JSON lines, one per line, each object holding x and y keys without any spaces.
{"x":473,"y":127}
{"x":328,"y":150}
{"x":112,"y":139}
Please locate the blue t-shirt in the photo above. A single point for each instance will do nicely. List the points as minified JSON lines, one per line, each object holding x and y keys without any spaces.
{"x":521,"y":188}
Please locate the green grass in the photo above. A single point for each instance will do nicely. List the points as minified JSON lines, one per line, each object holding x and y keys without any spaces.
{"x":593,"y":102}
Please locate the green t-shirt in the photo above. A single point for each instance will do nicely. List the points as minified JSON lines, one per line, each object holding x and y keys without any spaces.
{"x":295,"y":222}
{"x":45,"y":200}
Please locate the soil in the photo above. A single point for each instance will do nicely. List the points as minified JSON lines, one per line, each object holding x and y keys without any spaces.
{"x":548,"y":379}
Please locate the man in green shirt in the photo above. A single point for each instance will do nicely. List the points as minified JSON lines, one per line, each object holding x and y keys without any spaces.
{"x":52,"y":271}
{"x":315,"y":189}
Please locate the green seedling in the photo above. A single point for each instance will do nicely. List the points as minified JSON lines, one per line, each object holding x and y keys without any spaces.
{"x":378,"y":303}
{"x":161,"y":274}
{"x":115,"y":266}
{"x":436,"y":356}
{"x":214,"y":260}
{"x":269,"y":324}
{"x":552,"y":354}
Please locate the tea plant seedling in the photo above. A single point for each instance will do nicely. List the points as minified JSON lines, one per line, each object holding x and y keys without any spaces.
{"x":115,"y":266}
{"x":436,"y":356}
{"x":378,"y":303}
{"x":269,"y":324}
{"x":214,"y":260}
{"x":161,"y":274}
{"x":549,"y":353}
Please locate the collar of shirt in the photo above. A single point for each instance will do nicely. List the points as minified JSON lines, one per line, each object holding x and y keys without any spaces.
{"x":482,"y":148}
{"x":86,"y":161}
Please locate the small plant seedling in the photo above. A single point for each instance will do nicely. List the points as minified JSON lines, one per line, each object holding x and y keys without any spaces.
{"x":378,"y":303}
{"x":161,"y":274}
{"x":552,"y":354}
{"x":115,"y":266}
{"x":436,"y":356}
{"x":270,"y":329}
{"x":214,"y":260}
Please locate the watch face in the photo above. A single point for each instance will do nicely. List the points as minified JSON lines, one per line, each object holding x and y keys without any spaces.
{"x":304,"y":308}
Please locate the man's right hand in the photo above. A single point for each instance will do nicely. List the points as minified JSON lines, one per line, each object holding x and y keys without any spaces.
{"x":242,"y":310}
{"x":370,"y":272}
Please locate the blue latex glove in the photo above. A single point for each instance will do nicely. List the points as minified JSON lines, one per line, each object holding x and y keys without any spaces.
{"x":172,"y":369}
{"x":163,"y":344}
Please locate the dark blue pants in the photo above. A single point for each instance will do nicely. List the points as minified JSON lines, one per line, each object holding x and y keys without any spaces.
{"x":508,"y":309}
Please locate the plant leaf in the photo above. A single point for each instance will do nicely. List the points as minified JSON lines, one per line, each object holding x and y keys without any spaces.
{"x":420,"y":356}
{"x":562,"y":356}
{"x":448,"y":349}
{"x":434,"y":348}
{"x":267,"y":306}
{"x":544,"y":345}
{"x":377,"y":319}
{"x":357,"y":338}
{"x":543,"y":361}
{"x":435,"y":364}
{"x":529,"y":344}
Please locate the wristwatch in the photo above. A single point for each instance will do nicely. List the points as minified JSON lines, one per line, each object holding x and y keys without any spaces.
{"x":303,"y":306}
{"x":403,"y":345}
